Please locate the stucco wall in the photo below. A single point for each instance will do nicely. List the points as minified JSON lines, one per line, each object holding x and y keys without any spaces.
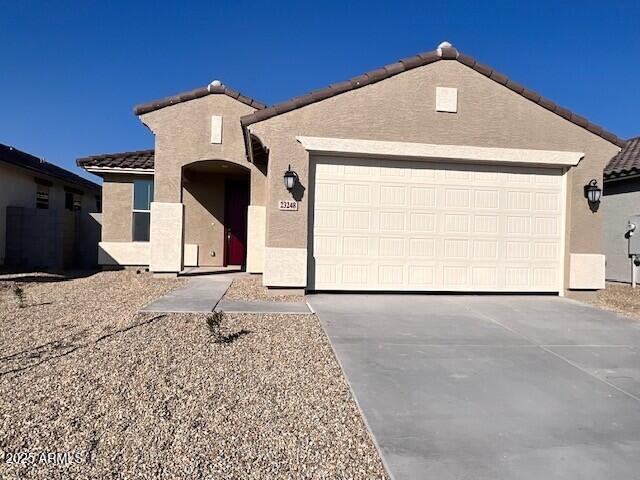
{"x":204,"y":217}
{"x":183,"y":136}
{"x":621,"y":200}
{"x":117,"y":205}
{"x":402,"y":108}
{"x":203,"y":200}
{"x":18,"y":189}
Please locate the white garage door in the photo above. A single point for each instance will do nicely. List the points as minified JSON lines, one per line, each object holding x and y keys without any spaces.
{"x":401,"y":225}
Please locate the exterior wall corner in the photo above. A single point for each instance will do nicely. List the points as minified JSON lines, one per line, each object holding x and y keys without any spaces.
{"x":166,"y":237}
{"x":285,"y":267}
{"x":256,"y":236}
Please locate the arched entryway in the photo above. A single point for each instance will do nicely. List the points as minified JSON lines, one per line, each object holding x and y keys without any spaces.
{"x":215,"y":194}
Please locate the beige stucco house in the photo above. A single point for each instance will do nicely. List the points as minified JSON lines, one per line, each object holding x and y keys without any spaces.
{"x":435,"y":173}
{"x":45,"y":213}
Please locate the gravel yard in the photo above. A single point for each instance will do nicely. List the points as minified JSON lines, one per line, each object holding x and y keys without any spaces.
{"x":249,"y":288}
{"x":153,"y":396}
{"x":620,"y":298}
{"x":59,"y":312}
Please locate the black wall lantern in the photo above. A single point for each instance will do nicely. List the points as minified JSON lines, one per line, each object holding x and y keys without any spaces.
{"x":593,"y":192}
{"x":290,"y":178}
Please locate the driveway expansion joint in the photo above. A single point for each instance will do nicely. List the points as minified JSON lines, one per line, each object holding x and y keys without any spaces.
{"x":548,"y":350}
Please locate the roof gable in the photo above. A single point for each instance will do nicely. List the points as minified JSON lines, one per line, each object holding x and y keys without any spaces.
{"x":444,"y":52}
{"x":214,"y":88}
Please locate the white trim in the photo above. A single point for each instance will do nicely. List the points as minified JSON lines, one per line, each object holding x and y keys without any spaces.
{"x":447,"y":99}
{"x":586,"y":271}
{"x":134,"y":171}
{"x":345,"y":146}
{"x":563,"y":238}
{"x":216,"y":129}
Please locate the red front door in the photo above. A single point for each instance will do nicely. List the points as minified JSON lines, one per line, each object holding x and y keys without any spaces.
{"x":236,"y":203}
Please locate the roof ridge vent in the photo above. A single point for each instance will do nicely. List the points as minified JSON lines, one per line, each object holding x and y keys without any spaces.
{"x":442,"y":45}
{"x":214,"y":84}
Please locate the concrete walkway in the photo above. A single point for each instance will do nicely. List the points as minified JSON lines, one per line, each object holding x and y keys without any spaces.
{"x":491,"y":387}
{"x":200,"y":295}
{"x":203,"y":294}
{"x":292,"y":308}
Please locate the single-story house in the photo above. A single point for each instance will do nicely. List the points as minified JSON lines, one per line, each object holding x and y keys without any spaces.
{"x":44,"y":213}
{"x":621,"y":202}
{"x":434,"y":173}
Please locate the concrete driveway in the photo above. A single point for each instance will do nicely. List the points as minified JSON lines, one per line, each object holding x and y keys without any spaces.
{"x":491,"y":387}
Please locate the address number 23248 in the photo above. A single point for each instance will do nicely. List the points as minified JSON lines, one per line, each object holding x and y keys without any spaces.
{"x":288,"y":205}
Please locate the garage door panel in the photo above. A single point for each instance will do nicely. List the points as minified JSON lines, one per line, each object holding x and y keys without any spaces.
{"x":356,"y":193}
{"x":400,"y":225}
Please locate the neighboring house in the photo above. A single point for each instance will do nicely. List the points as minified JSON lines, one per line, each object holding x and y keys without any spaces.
{"x":435,"y":173}
{"x":621,"y":201}
{"x":44,"y":214}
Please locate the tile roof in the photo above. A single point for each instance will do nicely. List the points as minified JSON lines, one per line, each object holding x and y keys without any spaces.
{"x":444,"y":52}
{"x":211,"y":89}
{"x":141,"y":159}
{"x":40,"y":166}
{"x":626,"y":162}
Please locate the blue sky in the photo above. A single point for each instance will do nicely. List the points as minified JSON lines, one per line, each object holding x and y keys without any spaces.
{"x":72,"y":71}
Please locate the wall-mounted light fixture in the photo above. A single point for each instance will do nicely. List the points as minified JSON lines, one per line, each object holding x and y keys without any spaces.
{"x":290,"y":178}
{"x":593,"y":192}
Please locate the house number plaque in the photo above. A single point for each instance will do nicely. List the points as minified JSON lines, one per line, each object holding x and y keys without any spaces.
{"x":290,"y":205}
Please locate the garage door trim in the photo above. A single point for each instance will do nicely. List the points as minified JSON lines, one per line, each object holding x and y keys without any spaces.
{"x":464,"y":153}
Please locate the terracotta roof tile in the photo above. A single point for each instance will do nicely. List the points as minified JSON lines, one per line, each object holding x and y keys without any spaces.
{"x":378,"y":74}
{"x":498,"y":77}
{"x":483,"y":69}
{"x":140,"y":159}
{"x":593,"y":128}
{"x":447,"y":53}
{"x":412,"y":62}
{"x":466,"y":60}
{"x":626,"y":162}
{"x":531,"y":95}
{"x":564,"y":113}
{"x":393,"y":69}
{"x":515,"y":86}
{"x":546,"y":103}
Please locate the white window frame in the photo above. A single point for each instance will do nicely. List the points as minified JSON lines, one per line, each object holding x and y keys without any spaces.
{"x":135,"y":210}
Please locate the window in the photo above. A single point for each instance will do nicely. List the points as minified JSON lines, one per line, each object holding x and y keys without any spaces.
{"x":42,"y":197}
{"x":72,"y":201}
{"x":142,"y":198}
{"x":68,"y":201}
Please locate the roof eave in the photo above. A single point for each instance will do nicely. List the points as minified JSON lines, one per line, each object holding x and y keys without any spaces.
{"x":86,"y":183}
{"x":115,"y":170}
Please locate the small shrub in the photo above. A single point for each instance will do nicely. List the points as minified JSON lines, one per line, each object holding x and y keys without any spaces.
{"x":214,"y":323}
{"x":18,"y":291}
